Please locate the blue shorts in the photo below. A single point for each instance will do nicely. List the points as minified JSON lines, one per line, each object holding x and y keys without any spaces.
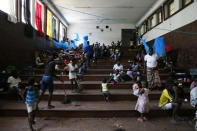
{"x":47,"y":82}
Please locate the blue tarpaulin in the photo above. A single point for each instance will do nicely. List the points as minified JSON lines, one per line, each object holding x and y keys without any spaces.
{"x":145,"y":45}
{"x":85,"y":39}
{"x":159,"y":46}
{"x":64,"y":46}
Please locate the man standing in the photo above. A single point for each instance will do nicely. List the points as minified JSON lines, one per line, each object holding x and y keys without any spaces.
{"x":88,"y":52}
{"x":151,"y":67}
{"x":47,"y":81}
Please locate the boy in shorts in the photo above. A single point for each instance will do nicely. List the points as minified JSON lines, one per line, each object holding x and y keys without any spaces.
{"x":31,"y":93}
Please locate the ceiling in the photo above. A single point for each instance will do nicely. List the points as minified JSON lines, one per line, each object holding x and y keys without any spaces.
{"x":103,"y":11}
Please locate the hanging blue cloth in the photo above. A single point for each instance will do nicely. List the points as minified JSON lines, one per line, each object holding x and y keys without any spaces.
{"x":73,"y":44}
{"x":77,"y":37}
{"x":85,"y":39}
{"x":159,"y":46}
{"x":145,"y":45}
{"x":64,"y":46}
{"x":57,"y":44}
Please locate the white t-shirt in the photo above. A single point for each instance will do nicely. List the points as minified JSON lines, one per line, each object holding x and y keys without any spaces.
{"x":104,"y":87}
{"x":116,"y":67}
{"x":116,"y":77}
{"x":151,"y":61}
{"x":71,"y":74}
{"x":130,"y":73}
{"x":38,"y":61}
{"x":13,"y":82}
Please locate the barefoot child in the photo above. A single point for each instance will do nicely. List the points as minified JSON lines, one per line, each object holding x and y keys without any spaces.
{"x":31,"y":93}
{"x":142,"y":105}
{"x":105,"y":90}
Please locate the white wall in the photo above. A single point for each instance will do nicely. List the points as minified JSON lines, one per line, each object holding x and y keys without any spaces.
{"x":106,"y":36}
{"x":182,"y":18}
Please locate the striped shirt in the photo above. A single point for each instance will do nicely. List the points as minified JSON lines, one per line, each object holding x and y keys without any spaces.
{"x":31,"y":96}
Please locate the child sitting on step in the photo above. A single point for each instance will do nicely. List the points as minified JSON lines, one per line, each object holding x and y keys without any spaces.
{"x":105,"y":90}
{"x":142,"y":105}
{"x":115,"y":77}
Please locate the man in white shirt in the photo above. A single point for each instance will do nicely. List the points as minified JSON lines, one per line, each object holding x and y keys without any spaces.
{"x":151,"y":67}
{"x":118,"y":67}
{"x":14,"y":82}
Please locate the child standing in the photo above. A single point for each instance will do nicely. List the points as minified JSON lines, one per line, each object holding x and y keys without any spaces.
{"x":142,"y":105}
{"x":31,"y":93}
{"x":105,"y":90}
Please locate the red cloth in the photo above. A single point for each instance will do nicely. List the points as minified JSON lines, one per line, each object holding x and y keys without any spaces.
{"x":168,"y":48}
{"x":66,"y":61}
{"x":39,"y":18}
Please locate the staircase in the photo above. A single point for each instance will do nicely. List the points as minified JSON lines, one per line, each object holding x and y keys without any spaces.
{"x":90,"y":103}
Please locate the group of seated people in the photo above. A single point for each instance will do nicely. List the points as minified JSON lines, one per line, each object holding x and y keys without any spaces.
{"x":76,"y":62}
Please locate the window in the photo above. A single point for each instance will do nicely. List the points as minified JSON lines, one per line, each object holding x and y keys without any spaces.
{"x":26,"y":10}
{"x":9,"y":7}
{"x":186,"y":2}
{"x":55,"y":28}
{"x":159,"y":16}
{"x":141,"y":30}
{"x":171,"y":9}
{"x":65,"y":31}
{"x":152,"y":23}
{"x":149,"y":23}
{"x":62,"y":32}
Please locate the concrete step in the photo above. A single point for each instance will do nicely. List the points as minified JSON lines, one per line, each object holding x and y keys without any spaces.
{"x":96,"y":71}
{"x":89,"y":77}
{"x":86,"y":109}
{"x":96,"y":84}
{"x":93,"y":95}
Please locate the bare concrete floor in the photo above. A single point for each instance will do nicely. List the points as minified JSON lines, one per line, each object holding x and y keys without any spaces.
{"x":93,"y":124}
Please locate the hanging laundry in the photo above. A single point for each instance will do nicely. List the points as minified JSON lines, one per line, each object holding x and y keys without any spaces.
{"x":49,"y":25}
{"x":39,"y":19}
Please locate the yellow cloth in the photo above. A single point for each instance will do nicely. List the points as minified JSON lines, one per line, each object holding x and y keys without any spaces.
{"x":165,"y":97}
{"x":49,"y":26}
{"x":104,"y":87}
